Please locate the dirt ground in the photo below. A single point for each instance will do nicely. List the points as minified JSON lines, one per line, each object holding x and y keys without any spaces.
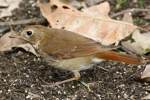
{"x":25,"y":77}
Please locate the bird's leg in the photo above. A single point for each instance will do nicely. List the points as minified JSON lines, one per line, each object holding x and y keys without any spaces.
{"x":76,"y":77}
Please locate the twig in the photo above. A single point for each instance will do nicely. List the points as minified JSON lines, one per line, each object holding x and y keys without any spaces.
{"x":130,"y":10}
{"x":103,"y":68}
{"x":24,"y":21}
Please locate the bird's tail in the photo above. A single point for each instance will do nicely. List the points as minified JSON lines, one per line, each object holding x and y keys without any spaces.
{"x":112,"y":55}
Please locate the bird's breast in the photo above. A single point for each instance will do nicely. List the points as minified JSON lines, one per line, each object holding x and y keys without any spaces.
{"x":79,"y":63}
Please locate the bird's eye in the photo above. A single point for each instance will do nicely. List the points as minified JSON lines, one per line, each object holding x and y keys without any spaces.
{"x":29,"y":33}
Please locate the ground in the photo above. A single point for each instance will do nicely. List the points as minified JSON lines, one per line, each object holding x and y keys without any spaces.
{"x":24,"y":76}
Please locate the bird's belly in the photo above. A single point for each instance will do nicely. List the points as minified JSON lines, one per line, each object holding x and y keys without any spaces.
{"x":80,"y":63}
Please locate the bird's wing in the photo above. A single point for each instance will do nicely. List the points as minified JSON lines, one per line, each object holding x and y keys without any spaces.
{"x":64,"y":44}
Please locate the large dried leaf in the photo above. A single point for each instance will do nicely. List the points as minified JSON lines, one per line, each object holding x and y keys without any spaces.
{"x":6,"y":42}
{"x":101,"y":10}
{"x":101,"y":29}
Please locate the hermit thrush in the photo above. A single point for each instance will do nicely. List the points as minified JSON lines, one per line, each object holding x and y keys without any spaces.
{"x":70,"y":51}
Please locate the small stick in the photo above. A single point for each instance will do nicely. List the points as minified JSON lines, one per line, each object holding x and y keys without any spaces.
{"x":24,"y":21}
{"x":130,"y":10}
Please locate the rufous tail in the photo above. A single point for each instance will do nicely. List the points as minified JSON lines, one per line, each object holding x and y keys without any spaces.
{"x":112,"y":55}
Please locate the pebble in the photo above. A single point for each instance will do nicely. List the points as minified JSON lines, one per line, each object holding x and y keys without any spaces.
{"x":125,"y":96}
{"x":1,"y":91}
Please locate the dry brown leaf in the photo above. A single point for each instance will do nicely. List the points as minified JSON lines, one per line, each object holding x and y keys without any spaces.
{"x":141,"y":44}
{"x":142,"y":40}
{"x":6,"y":43}
{"x":9,"y":6}
{"x":146,"y":72}
{"x":104,"y":30}
{"x":101,"y":10}
{"x":146,"y":97}
{"x":133,"y":47}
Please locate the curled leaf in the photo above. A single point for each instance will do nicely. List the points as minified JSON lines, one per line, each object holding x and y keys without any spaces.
{"x":6,"y":42}
{"x":146,"y":73}
{"x":142,"y":40}
{"x":141,"y":44}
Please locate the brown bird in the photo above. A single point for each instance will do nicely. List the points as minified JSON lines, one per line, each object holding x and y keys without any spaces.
{"x":70,"y":51}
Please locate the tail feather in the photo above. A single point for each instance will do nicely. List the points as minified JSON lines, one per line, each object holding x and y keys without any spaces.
{"x":112,"y":55}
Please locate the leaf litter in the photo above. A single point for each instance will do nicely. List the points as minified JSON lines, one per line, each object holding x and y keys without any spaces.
{"x":7,"y":6}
